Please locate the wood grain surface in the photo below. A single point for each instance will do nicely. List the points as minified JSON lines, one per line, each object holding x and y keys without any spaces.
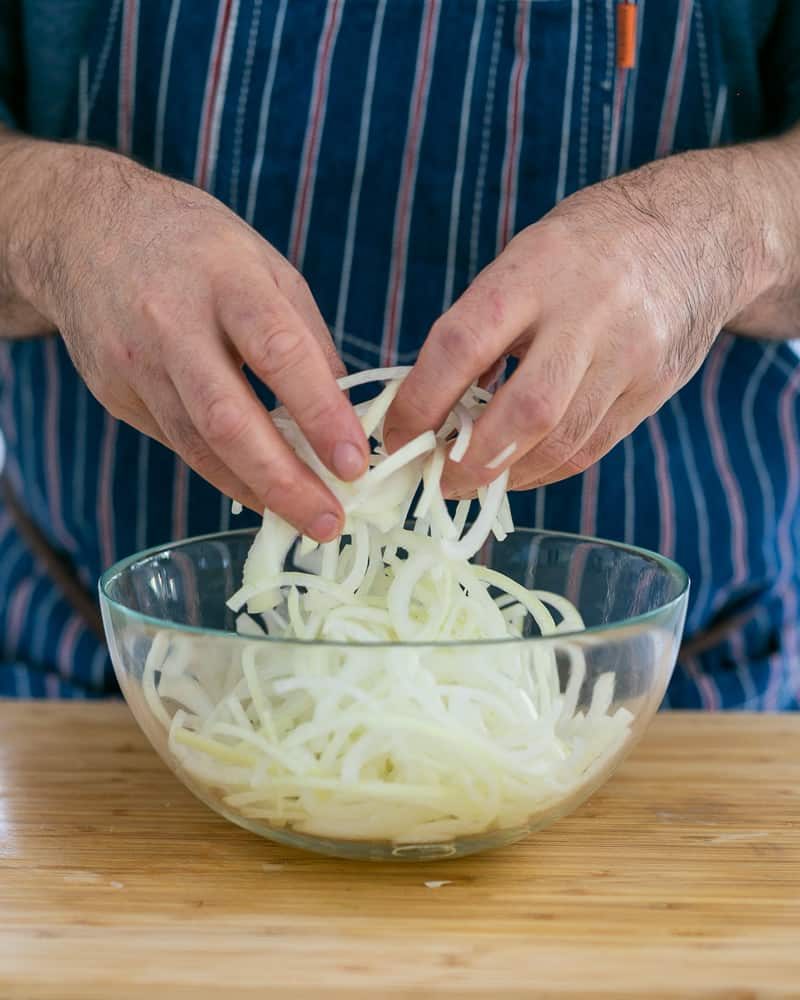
{"x":680,"y":878}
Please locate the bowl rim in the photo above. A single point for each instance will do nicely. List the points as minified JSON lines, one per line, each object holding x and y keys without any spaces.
{"x":635,"y":622}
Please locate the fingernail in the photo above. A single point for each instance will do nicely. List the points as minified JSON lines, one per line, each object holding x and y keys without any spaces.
{"x":348,"y":460}
{"x":394,"y":439}
{"x":325,"y":527}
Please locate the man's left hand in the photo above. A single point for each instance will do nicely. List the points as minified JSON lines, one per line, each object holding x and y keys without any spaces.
{"x":610,"y":303}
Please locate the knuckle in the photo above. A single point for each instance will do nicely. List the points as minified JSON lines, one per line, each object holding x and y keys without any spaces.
{"x":117,"y":409}
{"x":562,"y":359}
{"x":600,"y":444}
{"x":281,"y":491}
{"x":153,"y":309}
{"x":120,"y":402}
{"x":294,"y":285}
{"x":533,"y":412}
{"x":323,"y":412}
{"x":613,"y":284}
{"x":276,"y":350}
{"x":581,"y":420}
{"x":574,"y":466}
{"x":640,"y":352}
{"x":223,"y":421}
{"x":459,"y":342}
{"x":192,"y":449}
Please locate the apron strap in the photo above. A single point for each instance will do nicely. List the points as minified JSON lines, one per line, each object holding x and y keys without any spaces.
{"x":58,"y":568}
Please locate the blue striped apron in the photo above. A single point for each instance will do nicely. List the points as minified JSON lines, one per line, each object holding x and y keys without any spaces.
{"x":390,"y":148}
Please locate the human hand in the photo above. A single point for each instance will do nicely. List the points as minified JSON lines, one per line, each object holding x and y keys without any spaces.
{"x":611,"y":302}
{"x":162,"y":295}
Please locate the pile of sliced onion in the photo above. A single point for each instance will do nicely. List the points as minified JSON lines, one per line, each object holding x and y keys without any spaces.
{"x":346,"y":734}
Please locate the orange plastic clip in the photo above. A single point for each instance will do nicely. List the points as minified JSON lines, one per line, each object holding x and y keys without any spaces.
{"x":626,"y":34}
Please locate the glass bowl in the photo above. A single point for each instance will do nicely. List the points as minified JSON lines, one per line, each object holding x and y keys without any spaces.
{"x":176,"y":653}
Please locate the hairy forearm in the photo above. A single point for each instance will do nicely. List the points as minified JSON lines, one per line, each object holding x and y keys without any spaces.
{"x":772,"y":173}
{"x":730,"y":218}
{"x":50,"y":192}
{"x":26,"y":165}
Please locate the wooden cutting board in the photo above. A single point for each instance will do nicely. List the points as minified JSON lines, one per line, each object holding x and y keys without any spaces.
{"x":681,"y":878}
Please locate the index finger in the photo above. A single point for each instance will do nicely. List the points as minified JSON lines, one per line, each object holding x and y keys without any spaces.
{"x":231,"y":420}
{"x":463,"y":344}
{"x":280,"y":348}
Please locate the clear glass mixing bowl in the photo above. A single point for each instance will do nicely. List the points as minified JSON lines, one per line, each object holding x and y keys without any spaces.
{"x":165,"y":619}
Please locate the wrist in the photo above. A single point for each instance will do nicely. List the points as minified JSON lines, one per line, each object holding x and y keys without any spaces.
{"x":37,"y":193}
{"x":723,"y":220}
{"x":771,"y":180}
{"x":45,"y":199}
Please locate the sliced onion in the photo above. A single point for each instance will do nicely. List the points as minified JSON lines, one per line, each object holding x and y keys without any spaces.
{"x":369,"y":739}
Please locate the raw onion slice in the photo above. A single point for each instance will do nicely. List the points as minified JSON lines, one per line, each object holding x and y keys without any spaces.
{"x":341,"y":732}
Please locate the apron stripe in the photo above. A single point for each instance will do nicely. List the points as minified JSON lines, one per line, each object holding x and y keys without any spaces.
{"x":620,"y":85}
{"x":722,"y":462}
{"x":30,"y":454}
{"x":790,"y":439}
{"x":486,"y":136}
{"x":539,"y":507}
{"x":180,"y":497}
{"x":224,"y":513}
{"x":630,"y":98}
{"x":12,"y":563}
{"x":419,"y":98}
{"x":461,"y":155}
{"x":566,"y":115}
{"x":589,"y":498}
{"x":701,"y":598}
{"x":757,"y":453}
{"x":127,"y":76}
{"x":18,"y":607}
{"x":22,"y":683}
{"x":514,"y":125}
{"x":105,"y":52}
{"x":738,"y":652}
{"x":705,"y":71}
{"x":607,"y":85}
{"x":241,"y":107}
{"x":105,"y":491}
{"x":83,"y":99}
{"x":677,"y":72}
{"x":704,"y":682}
{"x":53,"y":445}
{"x":219,"y":102}
{"x":263,"y":116}
{"x":79,"y":470}
{"x":629,"y":485}
{"x":666,"y":504}
{"x":314,"y":126}
{"x":142,"y":491}
{"x":719,"y":116}
{"x":586,"y":94}
{"x":358,"y":173}
{"x":66,"y":646}
{"x":9,"y":423}
{"x":43,"y":614}
{"x":163,"y":83}
{"x":210,"y":98}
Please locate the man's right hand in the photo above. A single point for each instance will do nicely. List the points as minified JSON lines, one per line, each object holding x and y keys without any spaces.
{"x":162,"y":295}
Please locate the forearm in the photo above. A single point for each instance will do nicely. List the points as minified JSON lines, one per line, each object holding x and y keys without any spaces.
{"x":31,"y":175}
{"x":730,"y":220}
{"x":773,"y":173}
